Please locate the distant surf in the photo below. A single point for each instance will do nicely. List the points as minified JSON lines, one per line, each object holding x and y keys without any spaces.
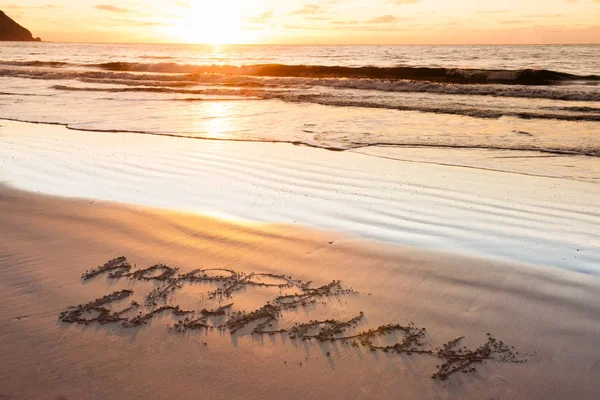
{"x":443,"y":75}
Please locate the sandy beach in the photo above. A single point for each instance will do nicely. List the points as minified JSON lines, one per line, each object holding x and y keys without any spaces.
{"x":130,"y":285}
{"x":299,"y":200}
{"x":548,"y":318}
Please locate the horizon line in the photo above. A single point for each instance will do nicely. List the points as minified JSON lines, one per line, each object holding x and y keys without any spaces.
{"x":321,"y":44}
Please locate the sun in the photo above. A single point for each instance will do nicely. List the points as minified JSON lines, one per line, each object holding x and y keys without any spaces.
{"x":210,"y":23}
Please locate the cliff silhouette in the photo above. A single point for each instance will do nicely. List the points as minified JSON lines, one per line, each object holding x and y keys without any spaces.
{"x":10,"y":30}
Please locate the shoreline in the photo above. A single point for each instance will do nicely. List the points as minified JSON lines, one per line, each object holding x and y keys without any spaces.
{"x":549,"y":316}
{"x":361,"y":149}
{"x":542,"y":221}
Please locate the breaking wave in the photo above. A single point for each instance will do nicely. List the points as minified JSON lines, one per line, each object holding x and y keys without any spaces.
{"x":552,"y":92}
{"x":578,"y":114}
{"x":430,"y":74}
{"x":445,"y":75}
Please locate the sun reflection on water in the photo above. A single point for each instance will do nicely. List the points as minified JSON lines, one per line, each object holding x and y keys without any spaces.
{"x":216,"y":121}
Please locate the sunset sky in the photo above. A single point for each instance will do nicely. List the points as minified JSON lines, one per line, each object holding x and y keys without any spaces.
{"x":300,"y":21}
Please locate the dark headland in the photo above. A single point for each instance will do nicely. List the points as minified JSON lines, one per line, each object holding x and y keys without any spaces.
{"x":10,"y":30}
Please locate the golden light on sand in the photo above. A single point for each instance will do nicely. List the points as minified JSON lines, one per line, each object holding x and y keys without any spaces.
{"x":210,"y":23}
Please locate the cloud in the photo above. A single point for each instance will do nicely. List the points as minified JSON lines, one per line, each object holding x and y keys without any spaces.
{"x":384,"y":19}
{"x":492,"y":12}
{"x":308,"y":9}
{"x":261,"y":18}
{"x":403,"y":2}
{"x":139,"y":23}
{"x":108,"y":7}
{"x":351,"y":22}
{"x":302,"y":27}
{"x":20,"y":7}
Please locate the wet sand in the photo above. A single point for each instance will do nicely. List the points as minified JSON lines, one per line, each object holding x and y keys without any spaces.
{"x":345,"y":317}
{"x":514,"y":217}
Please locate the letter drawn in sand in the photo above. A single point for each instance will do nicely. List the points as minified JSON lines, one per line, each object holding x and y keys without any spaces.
{"x":225,"y":283}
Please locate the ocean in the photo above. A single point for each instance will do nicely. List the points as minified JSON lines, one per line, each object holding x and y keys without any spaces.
{"x":517,"y":98}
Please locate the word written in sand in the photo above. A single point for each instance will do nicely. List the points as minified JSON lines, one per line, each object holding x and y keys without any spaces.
{"x":225,"y":283}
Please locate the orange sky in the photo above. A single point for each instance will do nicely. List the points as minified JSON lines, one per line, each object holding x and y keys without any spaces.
{"x":307,"y":22}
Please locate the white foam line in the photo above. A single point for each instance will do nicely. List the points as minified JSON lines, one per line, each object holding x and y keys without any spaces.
{"x":521,"y":218}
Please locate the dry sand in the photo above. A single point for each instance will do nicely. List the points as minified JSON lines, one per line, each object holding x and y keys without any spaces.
{"x":551,"y":317}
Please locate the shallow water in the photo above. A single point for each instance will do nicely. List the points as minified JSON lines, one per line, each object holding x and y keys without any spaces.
{"x":336,"y":97}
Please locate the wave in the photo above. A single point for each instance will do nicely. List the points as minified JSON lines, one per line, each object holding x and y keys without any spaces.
{"x":446,"y":75}
{"x":521,"y":91}
{"x":566,"y":93}
{"x":47,"y":64}
{"x":183,"y":83}
{"x":208,"y":91}
{"x":430,"y":74}
{"x":533,"y":92}
{"x":129,"y":82}
{"x":158,"y":57}
{"x":329,"y":100}
{"x":459,"y":110}
{"x":575,"y":109}
{"x":131,"y":78}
